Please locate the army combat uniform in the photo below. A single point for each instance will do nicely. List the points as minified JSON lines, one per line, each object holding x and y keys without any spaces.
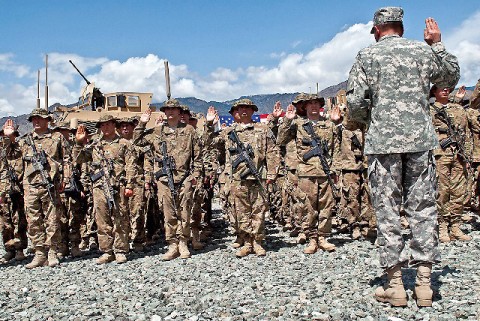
{"x":13,"y":223}
{"x":473,"y":115}
{"x":112,"y":171}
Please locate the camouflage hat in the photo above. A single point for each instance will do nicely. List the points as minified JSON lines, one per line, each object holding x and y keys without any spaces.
{"x":171,"y":103}
{"x":129,"y":120}
{"x":387,"y":15}
{"x":104,"y":119}
{"x":39,"y":112}
{"x":243,"y":102}
{"x":185,"y":109}
{"x":303,"y":97}
{"x":62,"y":125}
{"x":193,"y":116}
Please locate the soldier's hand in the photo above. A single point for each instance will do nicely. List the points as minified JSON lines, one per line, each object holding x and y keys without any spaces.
{"x":432,"y":33}
{"x":211,"y":115}
{"x":461,"y":93}
{"x":160,"y":119}
{"x":81,"y":134}
{"x":277,"y":110}
{"x":147,"y":186}
{"x":9,"y":128}
{"x":335,"y":114}
{"x":128,"y":192}
{"x":145,"y":118}
{"x":290,"y":114}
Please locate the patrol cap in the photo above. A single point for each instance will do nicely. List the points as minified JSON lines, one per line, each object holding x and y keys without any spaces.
{"x":387,"y":15}
{"x":171,"y":103}
{"x":104,"y":119}
{"x":243,"y":102}
{"x":39,"y":112}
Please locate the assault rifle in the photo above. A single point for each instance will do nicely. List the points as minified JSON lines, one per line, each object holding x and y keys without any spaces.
{"x":106,"y":169}
{"x":320,"y":149}
{"x":245,"y":154}
{"x":12,"y":175}
{"x":39,"y":162}
{"x":455,"y":137}
{"x":74,"y":187}
{"x":168,"y":166}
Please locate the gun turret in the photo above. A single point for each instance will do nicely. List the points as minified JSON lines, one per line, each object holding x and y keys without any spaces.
{"x":97,"y":98}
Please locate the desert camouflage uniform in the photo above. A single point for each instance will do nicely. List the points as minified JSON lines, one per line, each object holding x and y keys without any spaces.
{"x":13,"y":222}
{"x":88,"y":229}
{"x":181,"y":143}
{"x":473,"y":115}
{"x":388,"y":90}
{"x":451,"y":164}
{"x":113,"y":224}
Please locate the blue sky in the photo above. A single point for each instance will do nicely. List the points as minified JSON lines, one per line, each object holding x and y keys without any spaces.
{"x":218,"y":50}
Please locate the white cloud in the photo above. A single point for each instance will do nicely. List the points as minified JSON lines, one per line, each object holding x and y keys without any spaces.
{"x":8,"y":65}
{"x":464,"y":42}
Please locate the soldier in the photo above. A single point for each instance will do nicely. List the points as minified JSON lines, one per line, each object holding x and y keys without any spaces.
{"x":114,"y":177}
{"x":13,"y":223}
{"x":451,"y":125}
{"x":251,"y":158}
{"x":473,"y":114}
{"x":313,"y":137}
{"x":73,"y":214}
{"x":136,"y":209}
{"x":175,"y":169}
{"x":43,"y":154}
{"x":388,"y":90}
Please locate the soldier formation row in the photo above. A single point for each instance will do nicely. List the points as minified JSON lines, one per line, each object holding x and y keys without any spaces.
{"x":118,"y":186}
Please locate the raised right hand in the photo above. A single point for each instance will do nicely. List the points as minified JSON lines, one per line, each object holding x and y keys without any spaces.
{"x":291,"y":112}
{"x":8,"y":128}
{"x":146,"y":116}
{"x":211,"y":114}
{"x":432,"y":33}
{"x":81,"y":135}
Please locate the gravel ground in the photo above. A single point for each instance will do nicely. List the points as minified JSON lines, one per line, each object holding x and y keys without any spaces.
{"x":215,"y":285}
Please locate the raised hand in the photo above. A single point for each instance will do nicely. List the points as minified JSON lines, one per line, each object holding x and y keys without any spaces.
{"x":461,"y":93}
{"x":8,"y":128}
{"x":145,"y":118}
{"x":277,"y":110}
{"x":335,"y":114}
{"x":160,"y":119}
{"x":81,"y":135}
{"x":291,"y":112}
{"x":211,"y":113}
{"x":432,"y":33}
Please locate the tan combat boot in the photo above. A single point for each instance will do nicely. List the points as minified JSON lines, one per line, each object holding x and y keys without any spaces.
{"x":457,"y":234}
{"x":196,"y":244}
{"x":246,"y":249}
{"x":323,"y":244}
{"x":52,"y":258}
{"x":312,"y":246}
{"x":238,"y":242}
{"x":172,"y":252}
{"x":443,"y":232}
{"x":183,"y":249}
{"x":76,"y":252}
{"x":105,"y":258}
{"x":423,"y":292}
{"x":258,"y":249}
{"x":393,"y":292}
{"x":301,"y":238}
{"x":20,"y":256}
{"x":356,"y":233}
{"x":120,"y":258}
{"x":40,"y":259}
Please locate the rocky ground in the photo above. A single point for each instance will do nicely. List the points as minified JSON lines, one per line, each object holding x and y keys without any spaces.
{"x":215,"y":285}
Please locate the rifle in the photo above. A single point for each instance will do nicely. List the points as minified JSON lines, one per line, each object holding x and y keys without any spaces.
{"x":244,"y":156}
{"x":75,"y":187}
{"x":39,"y":161}
{"x":106,"y":168}
{"x":168,"y":166}
{"x":455,"y":137}
{"x":12,"y":175}
{"x":320,"y":149}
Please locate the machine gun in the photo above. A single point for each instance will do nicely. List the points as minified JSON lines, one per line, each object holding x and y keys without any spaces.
{"x":105,"y":172}
{"x":320,"y":149}
{"x":74,"y":186}
{"x":98,"y":99}
{"x":39,"y":162}
{"x":455,"y":136}
{"x":245,"y":154}
{"x":11,"y":174}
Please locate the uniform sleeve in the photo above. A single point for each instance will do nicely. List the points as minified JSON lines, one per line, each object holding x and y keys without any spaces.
{"x":358,"y":93}
{"x":272,"y":157}
{"x":197,"y":157}
{"x":130,"y":168}
{"x":446,"y":72}
{"x":475,"y":98}
{"x":286,"y":131}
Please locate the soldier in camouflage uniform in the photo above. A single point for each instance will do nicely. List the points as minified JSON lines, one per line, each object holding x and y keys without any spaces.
{"x":473,"y":115}
{"x":13,"y":223}
{"x":451,"y":125}
{"x":314,"y":182}
{"x":42,"y":183}
{"x":136,"y":203}
{"x":388,"y":90}
{"x":175,"y":169}
{"x":247,"y":189}
{"x":73,"y":214}
{"x":114,"y":177}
